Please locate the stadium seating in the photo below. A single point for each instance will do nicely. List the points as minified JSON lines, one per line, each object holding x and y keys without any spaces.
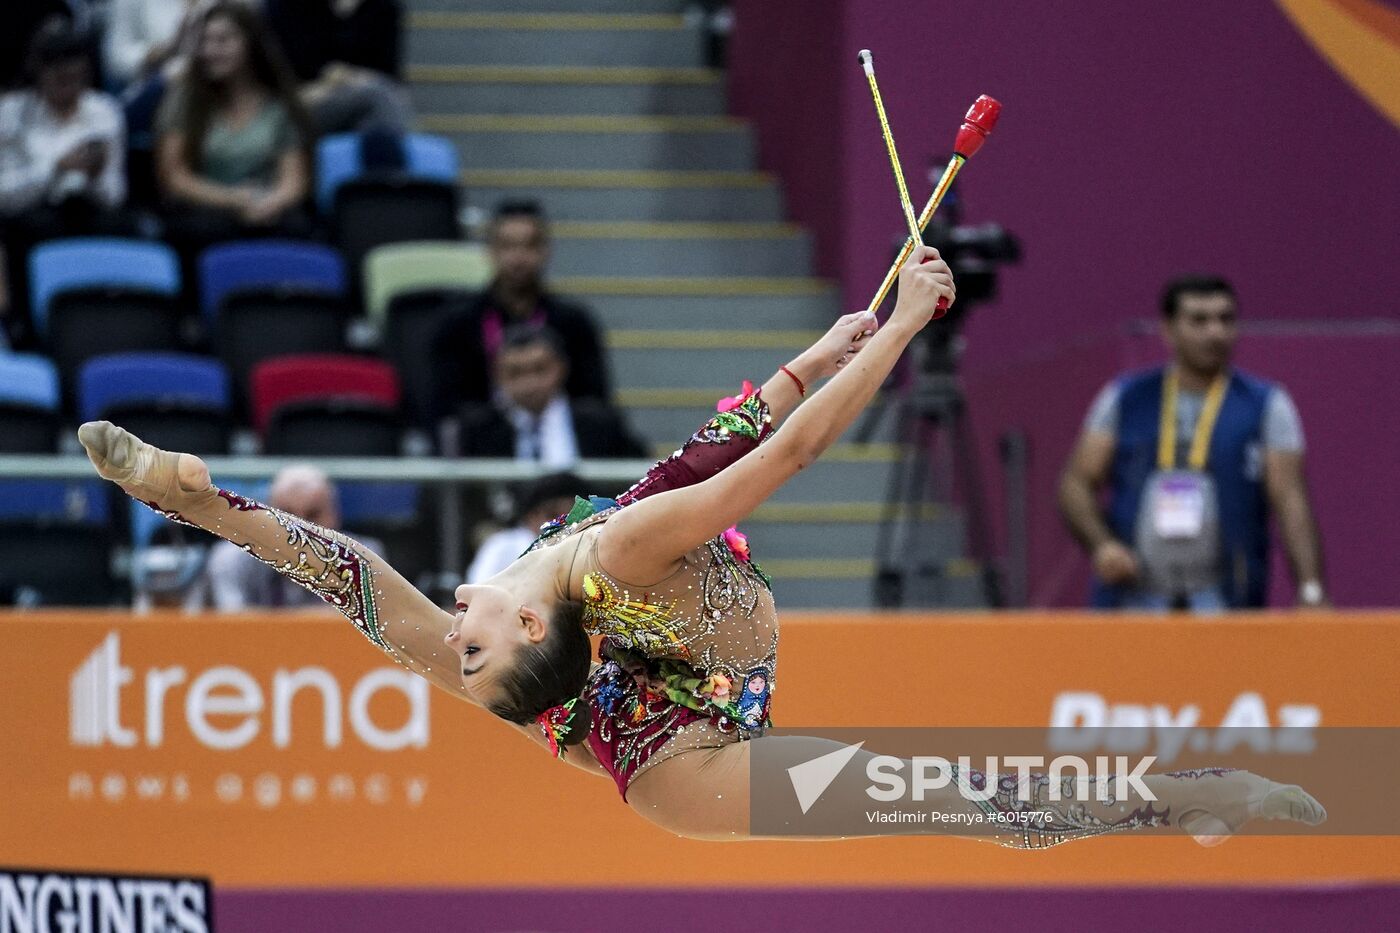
{"x":29,"y":404}
{"x":411,"y":327}
{"x":395,"y":268}
{"x":175,"y":401}
{"x":319,"y":378}
{"x":55,"y":564}
{"x":333,"y":427}
{"x":103,"y":263}
{"x":253,"y":326}
{"x":371,"y":212}
{"x":267,"y":264}
{"x":338,"y":160}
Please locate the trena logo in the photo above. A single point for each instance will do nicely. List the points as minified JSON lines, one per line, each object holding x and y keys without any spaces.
{"x":811,"y":778}
{"x":237,"y":701}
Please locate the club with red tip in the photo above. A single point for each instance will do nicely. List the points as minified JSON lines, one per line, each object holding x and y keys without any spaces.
{"x":977,"y":126}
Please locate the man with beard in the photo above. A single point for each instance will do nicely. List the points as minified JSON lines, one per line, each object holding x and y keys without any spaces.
{"x":1195,"y":456}
{"x":471,"y":338}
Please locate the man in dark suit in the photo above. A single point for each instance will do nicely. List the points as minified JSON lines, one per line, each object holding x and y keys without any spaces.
{"x":469,"y":340}
{"x":533,"y":418}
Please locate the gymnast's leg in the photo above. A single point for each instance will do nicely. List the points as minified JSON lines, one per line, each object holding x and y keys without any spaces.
{"x":358,"y":583}
{"x":704,"y":794}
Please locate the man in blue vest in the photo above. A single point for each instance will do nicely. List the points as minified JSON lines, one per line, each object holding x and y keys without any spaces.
{"x":1195,"y":456}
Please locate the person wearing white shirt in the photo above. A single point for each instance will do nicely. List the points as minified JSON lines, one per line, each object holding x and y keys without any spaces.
{"x":60,"y":138}
{"x":62,"y":155}
{"x":141,"y":36}
{"x":544,"y":499}
{"x":532,"y":417}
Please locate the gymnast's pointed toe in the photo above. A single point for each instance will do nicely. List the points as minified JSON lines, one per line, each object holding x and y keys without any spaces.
{"x":1291,"y":802}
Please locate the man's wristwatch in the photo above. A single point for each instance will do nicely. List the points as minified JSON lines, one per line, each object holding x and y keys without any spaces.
{"x":1310,"y":593}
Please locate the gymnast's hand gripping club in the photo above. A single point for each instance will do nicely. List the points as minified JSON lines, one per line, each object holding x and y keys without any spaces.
{"x":977,"y":126}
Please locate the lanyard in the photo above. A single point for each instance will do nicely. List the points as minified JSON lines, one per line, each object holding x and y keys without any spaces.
{"x":1205,"y":425}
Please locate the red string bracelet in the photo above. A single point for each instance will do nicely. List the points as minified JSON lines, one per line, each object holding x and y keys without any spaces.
{"x":801,"y":389}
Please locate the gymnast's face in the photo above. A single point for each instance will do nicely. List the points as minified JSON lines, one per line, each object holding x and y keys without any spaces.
{"x":490,"y":627}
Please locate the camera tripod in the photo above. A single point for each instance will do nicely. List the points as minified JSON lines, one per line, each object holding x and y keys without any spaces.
{"x":917,"y":547}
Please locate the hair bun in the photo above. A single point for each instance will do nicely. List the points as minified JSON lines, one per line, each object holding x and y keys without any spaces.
{"x":565,"y":724}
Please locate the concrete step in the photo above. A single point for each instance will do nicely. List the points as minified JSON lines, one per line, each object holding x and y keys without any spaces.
{"x":597,"y":40}
{"x":669,"y":415}
{"x":839,"y":530}
{"x":632,"y":196}
{"x":506,"y":141}
{"x":676,"y":249}
{"x":544,"y":90}
{"x":549,"y":6}
{"x":805,"y":307}
{"x":678,"y":360}
{"x":840,"y":585}
{"x":824,"y":584}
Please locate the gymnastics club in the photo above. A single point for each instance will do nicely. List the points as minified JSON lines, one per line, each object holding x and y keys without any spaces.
{"x":867,"y":61}
{"x":981,"y":119}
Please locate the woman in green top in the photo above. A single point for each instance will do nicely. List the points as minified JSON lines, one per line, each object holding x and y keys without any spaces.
{"x":233,"y":157}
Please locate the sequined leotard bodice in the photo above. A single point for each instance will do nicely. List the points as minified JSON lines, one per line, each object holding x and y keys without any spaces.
{"x":689,"y":661}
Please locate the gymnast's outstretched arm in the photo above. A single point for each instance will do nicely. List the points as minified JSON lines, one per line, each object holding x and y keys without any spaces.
{"x":645,"y":541}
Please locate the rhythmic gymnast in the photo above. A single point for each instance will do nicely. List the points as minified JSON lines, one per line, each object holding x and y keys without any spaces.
{"x":679,"y":696}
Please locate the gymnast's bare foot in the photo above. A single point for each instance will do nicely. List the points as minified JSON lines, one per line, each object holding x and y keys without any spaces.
{"x":1233,"y":798}
{"x":172,"y":481}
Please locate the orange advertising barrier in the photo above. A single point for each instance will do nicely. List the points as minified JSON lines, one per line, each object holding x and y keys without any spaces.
{"x":286,"y":751}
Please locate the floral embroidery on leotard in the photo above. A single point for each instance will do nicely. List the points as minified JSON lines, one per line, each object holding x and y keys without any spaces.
{"x":582,"y":509}
{"x":745,"y":415}
{"x":635,"y":718}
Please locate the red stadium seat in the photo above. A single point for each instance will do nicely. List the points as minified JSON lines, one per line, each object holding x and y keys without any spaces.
{"x":311,"y":377}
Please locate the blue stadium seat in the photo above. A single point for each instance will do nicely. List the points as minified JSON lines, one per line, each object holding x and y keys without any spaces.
{"x":378,"y":503}
{"x":98,"y":262}
{"x":161,"y":378}
{"x":85,"y":502}
{"x":29,"y":379}
{"x":271,"y":264}
{"x":338,"y":161}
{"x":433,"y":157}
{"x":29,"y":404}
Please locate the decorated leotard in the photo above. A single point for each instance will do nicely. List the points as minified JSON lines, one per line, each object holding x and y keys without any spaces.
{"x":689,"y":661}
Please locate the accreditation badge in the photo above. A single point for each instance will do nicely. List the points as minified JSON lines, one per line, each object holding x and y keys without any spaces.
{"x":1180,"y":504}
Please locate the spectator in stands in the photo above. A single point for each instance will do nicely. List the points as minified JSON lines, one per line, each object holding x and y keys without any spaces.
{"x":234,"y":143}
{"x":360,"y":33}
{"x":538,"y":502}
{"x":238,"y":581}
{"x":142,"y":37}
{"x":346,"y":53}
{"x":1195,"y":455}
{"x":61,"y":154}
{"x":170,"y":573}
{"x":20,"y":22}
{"x":533,"y":418}
{"x":519,"y":244}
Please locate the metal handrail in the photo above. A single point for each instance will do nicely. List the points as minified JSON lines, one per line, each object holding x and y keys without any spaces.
{"x":447,"y":473}
{"x":433,"y":470}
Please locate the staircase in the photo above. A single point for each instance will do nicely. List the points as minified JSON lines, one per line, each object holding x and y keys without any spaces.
{"x":603,"y":111}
